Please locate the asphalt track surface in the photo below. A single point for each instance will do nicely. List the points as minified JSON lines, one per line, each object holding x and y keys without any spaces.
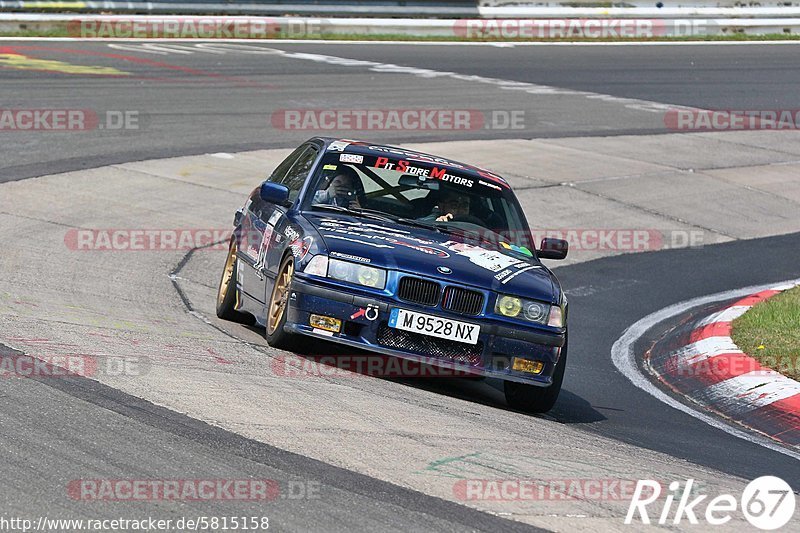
{"x":197,"y":111}
{"x":193,"y":102}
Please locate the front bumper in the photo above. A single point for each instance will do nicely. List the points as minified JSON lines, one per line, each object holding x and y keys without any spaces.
{"x":364,"y":326}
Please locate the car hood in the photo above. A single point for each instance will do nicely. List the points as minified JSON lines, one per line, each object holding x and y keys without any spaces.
{"x":431,"y":254}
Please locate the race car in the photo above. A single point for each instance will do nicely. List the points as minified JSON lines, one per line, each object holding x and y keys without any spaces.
{"x":402,"y":254}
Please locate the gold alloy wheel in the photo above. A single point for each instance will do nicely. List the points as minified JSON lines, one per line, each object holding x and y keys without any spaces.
{"x":227,"y":274}
{"x":280,"y":296}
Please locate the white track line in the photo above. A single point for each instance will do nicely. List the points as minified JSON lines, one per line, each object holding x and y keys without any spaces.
{"x":500,"y":83}
{"x":391,"y":68}
{"x":624,"y":358}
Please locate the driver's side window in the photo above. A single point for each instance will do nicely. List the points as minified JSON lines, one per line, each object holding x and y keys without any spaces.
{"x":279,"y":173}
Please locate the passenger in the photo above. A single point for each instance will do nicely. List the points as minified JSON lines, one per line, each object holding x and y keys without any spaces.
{"x":452,"y":204}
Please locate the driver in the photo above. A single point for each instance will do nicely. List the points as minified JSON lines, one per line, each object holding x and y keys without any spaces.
{"x":341,"y":190}
{"x":452,"y":204}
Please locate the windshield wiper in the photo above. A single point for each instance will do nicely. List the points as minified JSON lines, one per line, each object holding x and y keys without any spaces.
{"x":395,"y":218}
{"x":402,"y":220}
{"x":417,"y":223}
{"x":332,"y":207}
{"x":377,"y":215}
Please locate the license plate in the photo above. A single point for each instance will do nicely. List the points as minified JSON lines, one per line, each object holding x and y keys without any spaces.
{"x":435,"y":326}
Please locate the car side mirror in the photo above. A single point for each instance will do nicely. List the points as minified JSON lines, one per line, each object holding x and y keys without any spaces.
{"x":553,"y":248}
{"x":274,"y":193}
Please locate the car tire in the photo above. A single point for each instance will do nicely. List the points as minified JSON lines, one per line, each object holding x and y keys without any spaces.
{"x":226,"y":292}
{"x":533,"y":399}
{"x":277,"y":306}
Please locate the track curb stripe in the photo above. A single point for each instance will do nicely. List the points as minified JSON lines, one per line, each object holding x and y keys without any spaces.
{"x":712,"y":371}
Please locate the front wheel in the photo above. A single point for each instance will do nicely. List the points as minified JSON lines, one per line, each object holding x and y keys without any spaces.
{"x":533,"y":399}
{"x":277,"y":308}
{"x":226,"y":292}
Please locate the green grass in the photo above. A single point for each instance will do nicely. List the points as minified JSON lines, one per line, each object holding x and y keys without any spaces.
{"x":35,"y":33}
{"x":770,"y":332}
{"x":63,"y":32}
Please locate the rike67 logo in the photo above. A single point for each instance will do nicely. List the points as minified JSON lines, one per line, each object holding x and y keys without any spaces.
{"x":767,"y":503}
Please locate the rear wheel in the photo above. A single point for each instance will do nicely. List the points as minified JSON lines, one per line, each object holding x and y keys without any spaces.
{"x":277,"y":307}
{"x":226,"y":293}
{"x":533,"y":399}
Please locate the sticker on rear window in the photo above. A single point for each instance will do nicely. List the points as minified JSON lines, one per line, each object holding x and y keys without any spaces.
{"x":351,"y":158}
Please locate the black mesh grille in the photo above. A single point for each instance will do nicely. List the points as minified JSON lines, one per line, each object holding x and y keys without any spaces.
{"x":418,"y":291}
{"x":408,"y":341}
{"x":462,"y":301}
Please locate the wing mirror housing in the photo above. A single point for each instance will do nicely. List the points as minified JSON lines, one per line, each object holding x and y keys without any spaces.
{"x":274,"y":193}
{"x":553,"y":248}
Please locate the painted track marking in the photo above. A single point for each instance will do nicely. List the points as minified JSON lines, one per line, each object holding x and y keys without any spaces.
{"x":391,"y":68}
{"x":624,"y":358}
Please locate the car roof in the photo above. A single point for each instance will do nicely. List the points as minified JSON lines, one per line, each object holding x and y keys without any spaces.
{"x":377,"y":149}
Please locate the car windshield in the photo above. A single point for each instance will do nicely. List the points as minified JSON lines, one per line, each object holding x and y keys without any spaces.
{"x":417,"y":193}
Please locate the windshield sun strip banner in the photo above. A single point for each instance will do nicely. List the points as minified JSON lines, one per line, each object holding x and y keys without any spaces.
{"x":428,"y":170}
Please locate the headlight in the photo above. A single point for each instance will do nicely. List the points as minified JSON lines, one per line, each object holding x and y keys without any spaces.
{"x":530,"y":310}
{"x":508,"y":306}
{"x":356,"y":273}
{"x":340,"y":270}
{"x":371,"y":277}
{"x":535,"y":311}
